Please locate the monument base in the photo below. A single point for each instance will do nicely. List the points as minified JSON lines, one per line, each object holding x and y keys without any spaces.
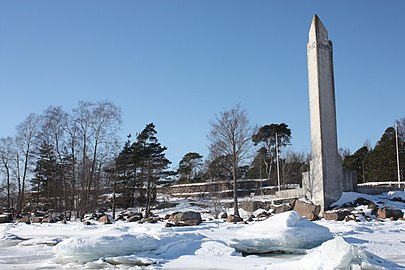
{"x":314,"y":189}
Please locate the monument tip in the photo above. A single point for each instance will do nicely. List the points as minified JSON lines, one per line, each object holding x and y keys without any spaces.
{"x":317,"y":31}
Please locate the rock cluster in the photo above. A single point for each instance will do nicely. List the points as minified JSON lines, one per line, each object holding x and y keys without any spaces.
{"x":348,"y":211}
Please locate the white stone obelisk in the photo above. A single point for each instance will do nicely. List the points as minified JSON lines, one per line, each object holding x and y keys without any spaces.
{"x":326,"y":181}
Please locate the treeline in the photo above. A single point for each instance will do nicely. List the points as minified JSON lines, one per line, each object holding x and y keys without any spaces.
{"x":67,"y":161}
{"x":379,"y":163}
{"x":57,"y":160}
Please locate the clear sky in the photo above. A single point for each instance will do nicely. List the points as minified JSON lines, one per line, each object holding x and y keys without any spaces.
{"x":177,"y":63}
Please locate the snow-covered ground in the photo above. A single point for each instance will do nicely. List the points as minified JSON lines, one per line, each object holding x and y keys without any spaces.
{"x":214,"y":244}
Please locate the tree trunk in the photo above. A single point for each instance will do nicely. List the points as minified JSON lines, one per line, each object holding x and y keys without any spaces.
{"x":8,"y":186}
{"x":148,"y":195}
{"x":19,"y":184}
{"x":235,"y":183}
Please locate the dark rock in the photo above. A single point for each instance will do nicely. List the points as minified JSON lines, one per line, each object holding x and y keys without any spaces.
{"x":120,"y":217}
{"x":397,"y":199}
{"x":278,"y":209}
{"x":150,"y":220}
{"x":169,"y":225}
{"x":189,"y":218}
{"x":224,"y":216}
{"x":355,"y":203}
{"x":134,"y":218}
{"x":307,"y":209}
{"x":351,"y":217}
{"x":362,"y":201}
{"x":36,"y":220}
{"x":25,"y":219}
{"x":234,"y":219}
{"x":387,"y":212}
{"x":251,"y":206}
{"x":104,"y":220}
{"x":374,"y":208}
{"x":263,"y":215}
{"x":87,"y":222}
{"x":49,"y":220}
{"x":338,"y":215}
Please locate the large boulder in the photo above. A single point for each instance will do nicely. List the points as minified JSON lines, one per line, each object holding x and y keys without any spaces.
{"x":251,"y":206}
{"x":234,"y":219}
{"x":25,"y":219}
{"x":307,"y":209}
{"x":49,"y":219}
{"x":336,"y":215}
{"x":152,"y":219}
{"x":36,"y":220}
{"x":387,"y":212}
{"x":135,"y":217}
{"x":105,"y":219}
{"x":278,"y":209}
{"x":188,"y":218}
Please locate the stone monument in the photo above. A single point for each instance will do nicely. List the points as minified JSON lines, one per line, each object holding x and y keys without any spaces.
{"x":326,"y":180}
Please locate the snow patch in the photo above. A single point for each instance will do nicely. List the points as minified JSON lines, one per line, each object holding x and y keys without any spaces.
{"x":338,"y":254}
{"x":213,"y":248}
{"x":85,"y":249}
{"x":287,"y":232}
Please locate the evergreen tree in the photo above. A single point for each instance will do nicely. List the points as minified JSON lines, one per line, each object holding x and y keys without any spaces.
{"x":152,"y":162}
{"x":257,"y":168}
{"x":382,"y":159}
{"x":188,"y":166}
{"x":220,"y":168}
{"x":126,"y":175}
{"x":47,"y":175}
{"x":358,"y":162}
{"x":270,"y":136}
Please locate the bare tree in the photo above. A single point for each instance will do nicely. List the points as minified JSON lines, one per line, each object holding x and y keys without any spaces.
{"x":97,"y":124}
{"x":105,"y":122}
{"x":26,"y":134}
{"x":293,"y":165}
{"x":7,"y":152}
{"x":231,"y":135}
{"x":70,"y":152}
{"x":53,"y":133}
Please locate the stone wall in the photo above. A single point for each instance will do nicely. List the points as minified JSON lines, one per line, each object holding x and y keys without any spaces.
{"x":219,"y":189}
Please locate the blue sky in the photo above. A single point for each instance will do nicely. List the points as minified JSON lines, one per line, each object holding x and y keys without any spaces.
{"x":178,"y":63}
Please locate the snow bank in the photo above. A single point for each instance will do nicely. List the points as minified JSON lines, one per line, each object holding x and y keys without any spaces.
{"x":84,"y":249}
{"x":331,"y":255}
{"x":348,"y":197}
{"x":288,"y":232}
{"x":338,"y":254}
{"x":396,"y":194}
{"x":213,"y":248}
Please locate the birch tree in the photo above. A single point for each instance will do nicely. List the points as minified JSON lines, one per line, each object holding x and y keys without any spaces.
{"x":231,"y":135}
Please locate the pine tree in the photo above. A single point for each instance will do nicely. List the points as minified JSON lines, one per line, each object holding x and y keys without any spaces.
{"x":47,"y":176}
{"x":382,"y":159}
{"x":188,"y":166}
{"x":359,"y":162}
{"x":220,"y":168}
{"x":270,"y":136}
{"x":152,"y":162}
